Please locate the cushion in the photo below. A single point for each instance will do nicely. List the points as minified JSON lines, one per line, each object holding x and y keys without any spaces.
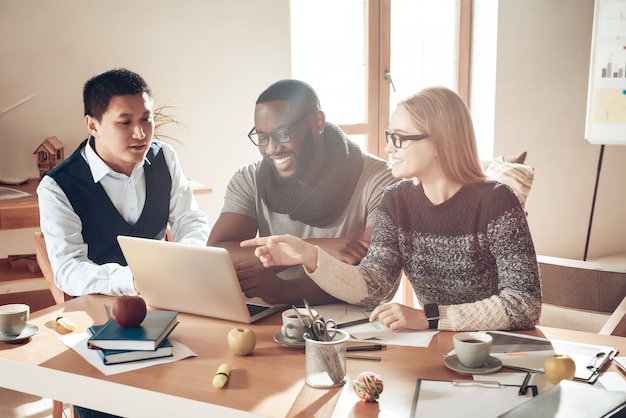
{"x":516,"y":175}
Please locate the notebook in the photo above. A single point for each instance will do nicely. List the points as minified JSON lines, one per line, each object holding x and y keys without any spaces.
{"x":198,"y":280}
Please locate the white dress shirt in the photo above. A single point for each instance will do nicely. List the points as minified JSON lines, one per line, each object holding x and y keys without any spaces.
{"x":74,"y":272}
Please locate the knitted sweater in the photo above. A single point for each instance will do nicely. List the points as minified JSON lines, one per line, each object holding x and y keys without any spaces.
{"x":473,"y":255}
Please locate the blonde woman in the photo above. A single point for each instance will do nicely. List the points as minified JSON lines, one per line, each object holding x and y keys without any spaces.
{"x":462,"y":241}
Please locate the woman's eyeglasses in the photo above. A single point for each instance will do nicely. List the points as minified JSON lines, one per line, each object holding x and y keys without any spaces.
{"x":396,"y":139}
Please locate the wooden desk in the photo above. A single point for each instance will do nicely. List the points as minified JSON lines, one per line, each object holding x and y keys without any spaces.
{"x":270,"y":382}
{"x":22,"y":212}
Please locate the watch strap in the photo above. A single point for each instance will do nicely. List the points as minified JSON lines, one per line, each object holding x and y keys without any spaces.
{"x":431,"y":311}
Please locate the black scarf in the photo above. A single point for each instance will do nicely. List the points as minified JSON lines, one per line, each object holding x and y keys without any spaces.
{"x":322,"y":202}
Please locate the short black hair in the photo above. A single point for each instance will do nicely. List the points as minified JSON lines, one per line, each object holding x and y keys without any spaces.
{"x":99,"y":89}
{"x":297,"y":92}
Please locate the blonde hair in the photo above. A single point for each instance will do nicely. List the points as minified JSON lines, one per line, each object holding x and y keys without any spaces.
{"x":441,"y":113}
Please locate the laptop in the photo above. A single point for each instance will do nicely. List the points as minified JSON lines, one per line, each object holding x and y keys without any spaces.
{"x":193,"y":279}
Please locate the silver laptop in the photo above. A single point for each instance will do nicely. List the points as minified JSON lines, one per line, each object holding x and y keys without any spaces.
{"x":191,"y":279}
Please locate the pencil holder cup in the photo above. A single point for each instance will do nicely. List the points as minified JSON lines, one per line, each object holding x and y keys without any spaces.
{"x":326,"y":361}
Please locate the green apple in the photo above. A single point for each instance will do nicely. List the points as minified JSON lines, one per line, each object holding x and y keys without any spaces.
{"x":559,"y":367}
{"x":241,"y":341}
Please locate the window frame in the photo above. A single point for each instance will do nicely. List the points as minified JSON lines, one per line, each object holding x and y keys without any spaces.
{"x":378,"y":24}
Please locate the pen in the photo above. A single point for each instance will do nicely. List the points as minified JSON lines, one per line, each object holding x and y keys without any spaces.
{"x":524,"y":388}
{"x":355,"y":322}
{"x":371,"y":347}
{"x":363,"y":357}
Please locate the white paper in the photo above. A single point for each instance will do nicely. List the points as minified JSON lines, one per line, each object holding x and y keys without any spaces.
{"x":78,"y":343}
{"x":379,"y":333}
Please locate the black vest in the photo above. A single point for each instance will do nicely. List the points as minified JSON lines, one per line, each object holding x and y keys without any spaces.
{"x":101,"y":221}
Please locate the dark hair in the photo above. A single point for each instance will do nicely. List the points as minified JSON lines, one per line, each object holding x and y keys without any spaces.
{"x":99,"y":89}
{"x":298,"y":93}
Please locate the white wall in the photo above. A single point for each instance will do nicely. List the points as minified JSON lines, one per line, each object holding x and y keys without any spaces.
{"x":209,"y":58}
{"x":542,"y":69}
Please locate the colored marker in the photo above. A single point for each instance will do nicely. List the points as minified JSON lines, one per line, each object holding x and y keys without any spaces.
{"x":221,"y":376}
{"x":65,"y":323}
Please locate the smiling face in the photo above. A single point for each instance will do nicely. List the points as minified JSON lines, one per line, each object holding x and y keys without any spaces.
{"x":294,"y":160}
{"x":123,"y":135}
{"x":415,"y":158}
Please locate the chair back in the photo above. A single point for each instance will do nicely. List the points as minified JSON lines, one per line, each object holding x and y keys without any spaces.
{"x":46,"y":269}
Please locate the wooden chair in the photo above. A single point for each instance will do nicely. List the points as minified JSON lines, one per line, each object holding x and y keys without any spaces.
{"x":44,"y":265}
{"x":59,"y":297}
{"x":616,"y":324}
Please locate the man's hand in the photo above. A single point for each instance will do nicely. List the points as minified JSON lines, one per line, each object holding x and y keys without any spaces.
{"x":258,"y":281}
{"x":348,"y":250}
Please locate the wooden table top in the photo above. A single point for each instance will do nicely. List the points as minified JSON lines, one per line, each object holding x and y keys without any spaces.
{"x":270,"y":382}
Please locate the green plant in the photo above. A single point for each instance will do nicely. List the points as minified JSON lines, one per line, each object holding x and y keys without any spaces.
{"x":162,"y":118}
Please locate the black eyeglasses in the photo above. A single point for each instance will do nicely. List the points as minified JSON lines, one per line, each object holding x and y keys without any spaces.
{"x":280,"y":135}
{"x":396,"y":139}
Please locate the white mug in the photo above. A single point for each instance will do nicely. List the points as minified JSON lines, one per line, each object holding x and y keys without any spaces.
{"x":13,"y":318}
{"x":472,"y":348}
{"x":292,"y":327}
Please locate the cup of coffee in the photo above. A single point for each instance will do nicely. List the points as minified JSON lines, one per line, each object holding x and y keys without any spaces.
{"x":13,"y":318}
{"x":472,"y":348}
{"x":292,"y":327}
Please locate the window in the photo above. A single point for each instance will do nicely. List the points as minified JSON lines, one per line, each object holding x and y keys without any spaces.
{"x":355,"y":52}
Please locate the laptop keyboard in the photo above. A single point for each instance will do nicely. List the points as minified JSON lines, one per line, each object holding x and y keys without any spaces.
{"x":255,"y":309}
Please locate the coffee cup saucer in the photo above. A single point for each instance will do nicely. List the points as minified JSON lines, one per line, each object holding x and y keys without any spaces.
{"x":492,"y":365}
{"x":286,"y":341}
{"x":26,"y":333}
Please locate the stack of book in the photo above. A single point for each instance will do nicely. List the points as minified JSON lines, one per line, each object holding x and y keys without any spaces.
{"x":116,"y":344}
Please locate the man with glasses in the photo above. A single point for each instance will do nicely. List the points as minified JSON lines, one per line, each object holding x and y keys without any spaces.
{"x":312,"y":182}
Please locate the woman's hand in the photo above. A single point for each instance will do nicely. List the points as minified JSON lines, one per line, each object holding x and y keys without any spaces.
{"x":283,"y":250}
{"x":397,"y":317}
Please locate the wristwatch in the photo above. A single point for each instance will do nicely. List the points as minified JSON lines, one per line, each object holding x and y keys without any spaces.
{"x":431,"y":310}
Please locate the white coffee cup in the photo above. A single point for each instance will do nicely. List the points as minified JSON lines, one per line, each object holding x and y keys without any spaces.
{"x":292,"y":327}
{"x":13,"y":318}
{"x":472,"y":348}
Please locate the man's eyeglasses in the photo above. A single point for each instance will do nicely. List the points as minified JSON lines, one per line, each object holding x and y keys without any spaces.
{"x":280,"y":135}
{"x":396,"y":139}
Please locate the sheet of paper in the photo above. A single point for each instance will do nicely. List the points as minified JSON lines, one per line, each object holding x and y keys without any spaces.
{"x":341,"y":312}
{"x":442,"y":399}
{"x":530,"y":352}
{"x":374,"y":331}
{"x":78,"y":343}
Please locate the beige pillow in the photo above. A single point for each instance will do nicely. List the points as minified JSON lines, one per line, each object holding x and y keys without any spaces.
{"x":518,"y":176}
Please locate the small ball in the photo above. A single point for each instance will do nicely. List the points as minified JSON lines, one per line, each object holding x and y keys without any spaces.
{"x":368,"y":386}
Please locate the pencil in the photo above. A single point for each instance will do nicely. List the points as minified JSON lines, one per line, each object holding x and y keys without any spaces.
{"x":370,"y":347}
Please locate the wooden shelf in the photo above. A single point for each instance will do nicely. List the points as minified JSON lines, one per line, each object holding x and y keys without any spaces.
{"x":21,"y":274}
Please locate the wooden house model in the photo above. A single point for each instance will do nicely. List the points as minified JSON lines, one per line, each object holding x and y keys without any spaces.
{"x":49,"y":153}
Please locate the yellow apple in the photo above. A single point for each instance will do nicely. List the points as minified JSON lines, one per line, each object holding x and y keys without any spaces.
{"x":241,"y":341}
{"x":558,"y":367}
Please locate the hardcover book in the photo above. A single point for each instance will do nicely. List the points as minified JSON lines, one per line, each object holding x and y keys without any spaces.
{"x":148,"y":336}
{"x":124,"y":356}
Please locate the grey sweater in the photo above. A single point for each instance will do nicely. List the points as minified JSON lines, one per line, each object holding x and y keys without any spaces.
{"x":473,"y":255}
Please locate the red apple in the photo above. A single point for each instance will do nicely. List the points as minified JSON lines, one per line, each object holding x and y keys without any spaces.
{"x":129,"y":311}
{"x":558,"y":367}
{"x":241,"y":341}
